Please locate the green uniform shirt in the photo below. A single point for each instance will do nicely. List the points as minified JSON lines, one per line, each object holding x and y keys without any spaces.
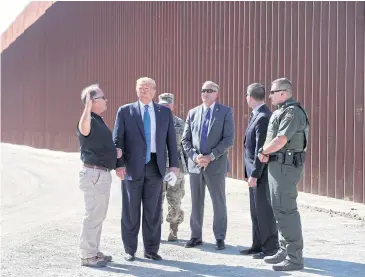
{"x":289,"y":121}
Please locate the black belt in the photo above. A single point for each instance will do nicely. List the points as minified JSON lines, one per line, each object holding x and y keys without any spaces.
{"x":297,"y":158}
{"x":276,"y":158}
{"x":97,"y":167}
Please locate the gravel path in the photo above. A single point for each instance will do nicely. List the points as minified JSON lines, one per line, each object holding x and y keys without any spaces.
{"x":41,"y":212}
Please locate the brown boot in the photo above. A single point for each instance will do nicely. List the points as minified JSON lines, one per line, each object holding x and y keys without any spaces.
{"x":173,"y":232}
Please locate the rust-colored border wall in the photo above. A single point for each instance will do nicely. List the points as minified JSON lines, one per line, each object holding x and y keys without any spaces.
{"x":30,"y":14}
{"x":318,"y":45}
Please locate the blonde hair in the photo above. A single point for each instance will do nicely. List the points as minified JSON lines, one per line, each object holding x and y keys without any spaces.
{"x":146,"y":80}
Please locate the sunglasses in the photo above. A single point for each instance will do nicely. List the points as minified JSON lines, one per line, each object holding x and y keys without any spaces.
{"x":273,"y":91}
{"x":207,"y":90}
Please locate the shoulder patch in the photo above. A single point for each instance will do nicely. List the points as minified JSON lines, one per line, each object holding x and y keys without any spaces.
{"x":289,"y":114}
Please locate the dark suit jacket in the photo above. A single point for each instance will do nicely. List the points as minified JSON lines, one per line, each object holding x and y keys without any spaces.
{"x":220,"y":138}
{"x":129,"y":136}
{"x":254,"y":140}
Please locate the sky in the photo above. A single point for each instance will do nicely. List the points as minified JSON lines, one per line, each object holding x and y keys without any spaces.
{"x":9,"y":10}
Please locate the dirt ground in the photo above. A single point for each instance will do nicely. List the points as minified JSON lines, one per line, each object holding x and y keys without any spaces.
{"x":42,"y":207}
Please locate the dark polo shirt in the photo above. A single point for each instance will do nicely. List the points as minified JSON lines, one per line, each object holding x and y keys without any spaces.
{"x":98,"y":147}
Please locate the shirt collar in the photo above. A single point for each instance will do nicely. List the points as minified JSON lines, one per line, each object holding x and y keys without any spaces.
{"x":256,"y":110}
{"x":211,"y":107}
{"x":96,"y":115}
{"x":287,"y":102}
{"x":141,"y":105}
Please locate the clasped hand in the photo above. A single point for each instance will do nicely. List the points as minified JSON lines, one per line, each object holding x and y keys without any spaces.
{"x":263,"y":158}
{"x":202,"y":161}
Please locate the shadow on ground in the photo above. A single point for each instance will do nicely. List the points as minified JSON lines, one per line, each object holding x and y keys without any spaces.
{"x":189,"y":269}
{"x":334,"y":268}
{"x":173,"y":268}
{"x":209,"y":247}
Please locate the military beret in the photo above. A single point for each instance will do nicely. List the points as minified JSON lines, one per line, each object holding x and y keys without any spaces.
{"x":210,"y":86}
{"x":166,"y":98}
{"x":281,"y":84}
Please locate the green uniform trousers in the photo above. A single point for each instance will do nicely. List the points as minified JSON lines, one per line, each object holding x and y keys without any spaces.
{"x":283,"y":183}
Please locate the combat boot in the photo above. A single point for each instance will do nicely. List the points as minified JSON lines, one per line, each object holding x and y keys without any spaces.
{"x":173,"y":232}
{"x":287,"y":266}
{"x":277,"y":258}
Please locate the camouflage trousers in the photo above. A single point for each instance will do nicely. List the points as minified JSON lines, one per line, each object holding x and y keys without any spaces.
{"x":175,"y":214}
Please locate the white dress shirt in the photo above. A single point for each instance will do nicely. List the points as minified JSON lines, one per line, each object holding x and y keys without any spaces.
{"x":151,"y":110}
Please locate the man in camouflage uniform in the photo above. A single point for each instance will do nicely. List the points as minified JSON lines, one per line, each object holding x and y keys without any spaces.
{"x":284,"y":149}
{"x":175,"y":215}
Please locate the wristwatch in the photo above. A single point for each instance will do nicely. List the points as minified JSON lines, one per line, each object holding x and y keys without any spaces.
{"x":261,"y":151}
{"x":212,"y":157}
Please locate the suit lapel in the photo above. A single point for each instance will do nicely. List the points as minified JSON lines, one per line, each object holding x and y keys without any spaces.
{"x":137,"y":116}
{"x":255,"y":115}
{"x":157,"y":109}
{"x":199,"y":122}
{"x":252,"y":120}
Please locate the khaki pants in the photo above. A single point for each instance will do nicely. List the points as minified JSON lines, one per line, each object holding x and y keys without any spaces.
{"x":95,"y":183}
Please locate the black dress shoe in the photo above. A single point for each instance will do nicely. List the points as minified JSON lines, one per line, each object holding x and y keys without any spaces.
{"x":193,"y":242}
{"x":260,"y":256}
{"x":152,"y":256}
{"x":129,"y":257}
{"x":250,"y":251}
{"x":220,"y":244}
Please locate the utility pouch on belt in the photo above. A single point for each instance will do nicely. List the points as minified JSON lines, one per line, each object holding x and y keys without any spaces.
{"x":289,"y":157}
{"x":299,"y":158}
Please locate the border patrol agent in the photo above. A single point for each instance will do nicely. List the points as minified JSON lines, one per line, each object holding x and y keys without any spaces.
{"x":175,"y":215}
{"x":285,"y":149}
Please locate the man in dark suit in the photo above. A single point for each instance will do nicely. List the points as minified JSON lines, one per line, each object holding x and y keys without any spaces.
{"x":264,"y":231}
{"x":143,"y":130}
{"x":208,"y":134}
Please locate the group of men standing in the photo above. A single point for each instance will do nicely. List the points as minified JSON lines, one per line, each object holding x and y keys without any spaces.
{"x":149,"y":142}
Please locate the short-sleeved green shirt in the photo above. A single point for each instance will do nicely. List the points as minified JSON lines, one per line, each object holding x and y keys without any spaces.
{"x":290,"y":121}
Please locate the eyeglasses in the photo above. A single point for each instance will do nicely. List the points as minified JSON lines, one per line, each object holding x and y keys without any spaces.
{"x":273,"y":91}
{"x":101,"y":97}
{"x":208,"y":90}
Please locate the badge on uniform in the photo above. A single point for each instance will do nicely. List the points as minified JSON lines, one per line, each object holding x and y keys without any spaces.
{"x":290,"y":114}
{"x":170,"y":178}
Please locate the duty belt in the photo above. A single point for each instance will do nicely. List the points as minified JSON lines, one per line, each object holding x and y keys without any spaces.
{"x":297,"y":159}
{"x":277,"y":157}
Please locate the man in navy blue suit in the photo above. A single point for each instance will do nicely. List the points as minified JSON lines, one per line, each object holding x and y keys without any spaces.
{"x":264,"y":230}
{"x":143,"y":130}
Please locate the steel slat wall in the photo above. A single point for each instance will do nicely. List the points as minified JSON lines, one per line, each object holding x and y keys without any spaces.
{"x":318,"y":45}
